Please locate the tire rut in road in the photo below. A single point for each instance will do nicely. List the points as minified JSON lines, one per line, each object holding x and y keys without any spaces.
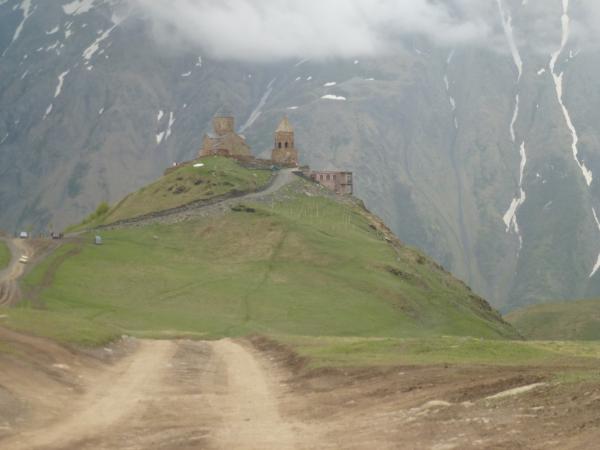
{"x":113,"y":396}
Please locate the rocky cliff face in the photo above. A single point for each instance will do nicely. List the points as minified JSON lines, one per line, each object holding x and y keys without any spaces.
{"x":488,"y":159}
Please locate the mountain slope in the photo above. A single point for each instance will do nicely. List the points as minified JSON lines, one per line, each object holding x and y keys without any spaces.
{"x":297,"y":262}
{"x":575,"y":320}
{"x":479,"y":156}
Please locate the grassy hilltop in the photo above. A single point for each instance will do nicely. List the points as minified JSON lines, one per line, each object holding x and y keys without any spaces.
{"x":300,"y":264}
{"x":575,"y":320}
{"x":183,"y":185}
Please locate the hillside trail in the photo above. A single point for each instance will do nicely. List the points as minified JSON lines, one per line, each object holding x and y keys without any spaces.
{"x":9,"y":288}
{"x":172,"y":395}
{"x":175,"y":215}
{"x":283,"y":177}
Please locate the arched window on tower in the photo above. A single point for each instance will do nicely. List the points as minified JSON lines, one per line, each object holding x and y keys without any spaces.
{"x":286,"y":145}
{"x":279,"y":144}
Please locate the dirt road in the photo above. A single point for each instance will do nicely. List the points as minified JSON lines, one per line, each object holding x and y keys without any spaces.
{"x":172,"y":395}
{"x":9,"y":289}
{"x":249,"y":407}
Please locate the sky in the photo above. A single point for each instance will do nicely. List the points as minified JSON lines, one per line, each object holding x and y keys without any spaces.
{"x":267,"y":30}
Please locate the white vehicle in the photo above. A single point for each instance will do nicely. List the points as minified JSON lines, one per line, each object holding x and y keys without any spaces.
{"x":24,"y":235}
{"x":24,"y":259}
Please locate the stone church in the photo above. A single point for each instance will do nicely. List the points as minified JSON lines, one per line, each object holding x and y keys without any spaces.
{"x":284,"y":153}
{"x":224,"y":140}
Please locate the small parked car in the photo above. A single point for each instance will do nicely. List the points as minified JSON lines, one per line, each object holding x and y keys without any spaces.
{"x":24,"y":235}
{"x":24,"y":259}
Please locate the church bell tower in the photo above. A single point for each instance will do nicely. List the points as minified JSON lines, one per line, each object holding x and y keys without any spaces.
{"x":284,"y":152}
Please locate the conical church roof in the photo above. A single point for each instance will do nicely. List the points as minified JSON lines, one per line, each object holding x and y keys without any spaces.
{"x":285,"y":126}
{"x":224,"y":111}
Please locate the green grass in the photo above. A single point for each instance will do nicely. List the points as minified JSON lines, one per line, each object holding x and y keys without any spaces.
{"x":4,"y":255}
{"x":181,"y":186}
{"x":576,"y":320}
{"x":365,"y":352}
{"x":305,"y":266}
{"x":64,"y":328}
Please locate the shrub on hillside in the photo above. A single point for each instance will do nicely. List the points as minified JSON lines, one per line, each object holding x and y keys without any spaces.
{"x":101,"y":210}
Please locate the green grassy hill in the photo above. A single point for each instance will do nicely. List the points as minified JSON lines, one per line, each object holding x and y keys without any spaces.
{"x":180,"y":186}
{"x":4,"y":255}
{"x":301,"y":263}
{"x":576,"y":320}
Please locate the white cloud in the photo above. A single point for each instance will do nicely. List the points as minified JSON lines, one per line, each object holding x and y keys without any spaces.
{"x":273,"y":29}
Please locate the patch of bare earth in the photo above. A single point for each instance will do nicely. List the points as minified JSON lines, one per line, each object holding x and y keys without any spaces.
{"x":241,"y":395}
{"x":441,"y":407}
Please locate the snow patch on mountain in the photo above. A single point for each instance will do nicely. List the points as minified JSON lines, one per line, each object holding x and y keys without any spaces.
{"x":513,"y":121}
{"x":27,"y":9}
{"x":334,"y":97}
{"x":302,"y":61}
{"x":255,"y":114}
{"x":558,"y":83}
{"x":68,"y":31}
{"x":170,"y":127}
{"x":61,"y":82}
{"x":597,"y":266}
{"x":48,"y":111}
{"x":510,"y":218}
{"x":451,"y":99}
{"x":506,"y":18}
{"x":163,"y":136}
{"x":330,"y":84}
{"x":89,"y":52}
{"x":78,"y":7}
{"x":53,"y":46}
